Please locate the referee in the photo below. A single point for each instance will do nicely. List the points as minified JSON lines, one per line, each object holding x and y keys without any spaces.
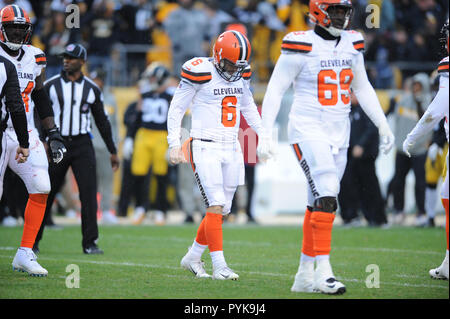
{"x":74,"y":98}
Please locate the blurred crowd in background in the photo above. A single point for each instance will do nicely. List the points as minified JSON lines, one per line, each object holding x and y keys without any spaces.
{"x":123,"y":37}
{"x":126,"y":35}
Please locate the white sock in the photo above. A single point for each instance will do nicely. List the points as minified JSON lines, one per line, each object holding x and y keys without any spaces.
{"x":306,"y":258}
{"x":197,"y":250}
{"x":218,"y":260}
{"x":24,"y":248}
{"x":323,"y":266}
{"x":320,"y":258}
{"x":430,"y":201}
{"x":446,"y":254}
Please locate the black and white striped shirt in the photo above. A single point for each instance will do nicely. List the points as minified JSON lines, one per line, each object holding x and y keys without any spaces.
{"x":11,"y":102}
{"x":74,"y":102}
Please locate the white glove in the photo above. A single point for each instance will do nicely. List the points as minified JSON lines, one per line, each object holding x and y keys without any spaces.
{"x":176,"y":155}
{"x":433,"y":151}
{"x":127,"y":149}
{"x":407,"y":145}
{"x":265,"y":149}
{"x":387,"y":139}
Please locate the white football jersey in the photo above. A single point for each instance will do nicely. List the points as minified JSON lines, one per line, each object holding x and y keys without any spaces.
{"x":29,"y":64}
{"x":437,"y":109}
{"x":325,"y":71}
{"x":443,"y":71}
{"x":214,"y":102}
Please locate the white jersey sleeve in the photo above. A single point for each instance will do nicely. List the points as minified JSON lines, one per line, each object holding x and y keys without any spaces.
{"x":287,"y":68}
{"x":437,"y":110}
{"x":250,"y":111}
{"x":39,"y":58}
{"x":181,"y":100}
{"x":365,"y":93}
{"x":194,"y":74}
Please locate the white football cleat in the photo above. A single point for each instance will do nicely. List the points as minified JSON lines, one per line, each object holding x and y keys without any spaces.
{"x":138,"y":216}
{"x":304,"y":279}
{"x":329,"y":286}
{"x":324,"y":280}
{"x":109,"y":218}
{"x":25,"y":261}
{"x":440,"y":272}
{"x":224,"y":273}
{"x":160,"y":218}
{"x":197,"y":267}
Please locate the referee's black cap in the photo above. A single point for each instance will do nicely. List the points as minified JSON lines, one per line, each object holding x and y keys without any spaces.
{"x":75,"y":50}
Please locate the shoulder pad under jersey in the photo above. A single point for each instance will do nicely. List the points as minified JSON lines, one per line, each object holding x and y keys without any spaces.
{"x":39,"y":55}
{"x":297,"y":42}
{"x":247,"y":74}
{"x":197,"y":70}
{"x":443,"y":66}
{"x":356,"y":38}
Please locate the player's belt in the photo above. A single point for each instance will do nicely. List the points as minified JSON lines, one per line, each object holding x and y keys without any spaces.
{"x":74,"y":137}
{"x":202,"y":139}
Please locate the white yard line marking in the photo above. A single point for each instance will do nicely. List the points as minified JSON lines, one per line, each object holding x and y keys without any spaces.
{"x":111,"y":263}
{"x":289,"y":245}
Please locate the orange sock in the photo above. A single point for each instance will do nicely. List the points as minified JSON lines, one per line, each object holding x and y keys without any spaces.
{"x":213,"y":231}
{"x":445,"y":203}
{"x":201,"y":235}
{"x":308,"y":242}
{"x":322,"y":224}
{"x":34,"y":214}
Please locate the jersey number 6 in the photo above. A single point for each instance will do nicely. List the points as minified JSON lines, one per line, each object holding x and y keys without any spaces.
{"x":345,"y":79}
{"x":229,"y":111}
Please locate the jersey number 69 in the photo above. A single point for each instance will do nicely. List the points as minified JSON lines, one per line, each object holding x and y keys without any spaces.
{"x":345,"y":79}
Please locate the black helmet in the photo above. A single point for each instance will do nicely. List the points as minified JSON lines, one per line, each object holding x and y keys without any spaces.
{"x":156,"y":71}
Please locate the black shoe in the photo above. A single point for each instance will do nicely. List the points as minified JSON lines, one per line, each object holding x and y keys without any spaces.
{"x":251,"y":220}
{"x":430,"y":222}
{"x":189,"y":219}
{"x":93,"y":250}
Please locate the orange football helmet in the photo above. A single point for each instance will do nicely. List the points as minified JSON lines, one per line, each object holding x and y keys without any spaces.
{"x":231,"y":54}
{"x":326,"y":13}
{"x":15,"y":27}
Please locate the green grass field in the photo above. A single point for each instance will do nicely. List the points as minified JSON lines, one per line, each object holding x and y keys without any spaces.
{"x":143,"y":262}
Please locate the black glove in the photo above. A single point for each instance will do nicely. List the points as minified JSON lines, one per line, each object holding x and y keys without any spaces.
{"x":56,"y":143}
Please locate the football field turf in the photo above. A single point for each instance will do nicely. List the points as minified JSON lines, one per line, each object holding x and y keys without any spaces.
{"x":143,"y":262}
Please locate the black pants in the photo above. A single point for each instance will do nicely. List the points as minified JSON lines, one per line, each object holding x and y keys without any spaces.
{"x":126,"y":190}
{"x":81,"y":157}
{"x":250,"y":183}
{"x":360,"y":189}
{"x":15,"y":193}
{"x":403,"y":164}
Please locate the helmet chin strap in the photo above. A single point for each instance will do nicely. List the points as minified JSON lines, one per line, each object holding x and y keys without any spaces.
{"x":12,"y":46}
{"x":336,"y":32}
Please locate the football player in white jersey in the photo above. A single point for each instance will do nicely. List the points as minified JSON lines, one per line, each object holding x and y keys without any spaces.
{"x":437,"y":110}
{"x":323,"y":65}
{"x":216,"y":90}
{"x":15,"y":34}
